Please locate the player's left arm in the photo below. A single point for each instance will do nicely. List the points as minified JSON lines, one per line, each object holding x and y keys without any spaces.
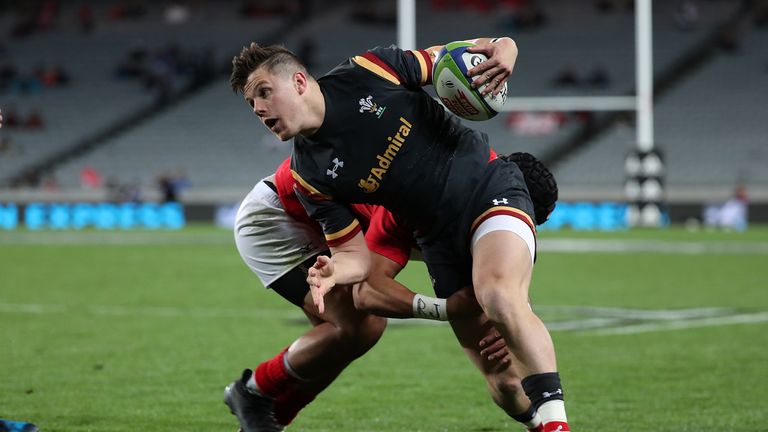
{"x":381,"y":294}
{"x":390,"y":242}
{"x":502,"y":56}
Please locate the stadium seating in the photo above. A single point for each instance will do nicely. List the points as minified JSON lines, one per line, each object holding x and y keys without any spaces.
{"x":710,"y":129}
{"x":213,"y":139}
{"x":95,"y":99}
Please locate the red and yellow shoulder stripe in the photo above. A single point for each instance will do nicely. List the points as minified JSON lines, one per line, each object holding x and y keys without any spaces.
{"x":425,"y":64}
{"x":504,"y":210}
{"x":373,"y":63}
{"x":343,"y":235}
{"x":307,"y":188}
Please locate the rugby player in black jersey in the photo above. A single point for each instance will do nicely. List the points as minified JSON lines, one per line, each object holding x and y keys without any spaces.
{"x":367,"y":133}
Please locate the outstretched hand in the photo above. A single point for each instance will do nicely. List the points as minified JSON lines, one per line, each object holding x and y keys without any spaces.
{"x":502,"y":56}
{"x":493,"y":348}
{"x":320,"y":278}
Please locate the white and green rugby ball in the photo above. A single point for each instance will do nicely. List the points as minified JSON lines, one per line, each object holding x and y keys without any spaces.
{"x":452,"y":84}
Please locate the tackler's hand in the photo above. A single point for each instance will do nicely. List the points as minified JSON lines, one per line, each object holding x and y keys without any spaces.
{"x":321,"y":279}
{"x":502,"y":55}
{"x":493,"y":348}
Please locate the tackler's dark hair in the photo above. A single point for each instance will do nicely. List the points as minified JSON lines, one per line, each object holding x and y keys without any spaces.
{"x":540,"y":181}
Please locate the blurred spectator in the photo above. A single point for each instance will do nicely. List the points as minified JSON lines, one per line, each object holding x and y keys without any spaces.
{"x":177,"y":13}
{"x":50,"y":183}
{"x":62,"y":76}
{"x":686,"y":15}
{"x":519,"y":15}
{"x":46,"y":16}
{"x":8,"y":74}
{"x":85,"y":18}
{"x":608,"y":6}
{"x":171,"y":186}
{"x":605,"y":6}
{"x":34,"y":120}
{"x":10,"y":117}
{"x":599,"y":78}
{"x":27,"y":84}
{"x":731,"y":215}
{"x":52,"y":76}
{"x":567,"y":78}
{"x":729,"y":39}
{"x":90,"y":178}
{"x":119,"y":192}
{"x":134,"y":64}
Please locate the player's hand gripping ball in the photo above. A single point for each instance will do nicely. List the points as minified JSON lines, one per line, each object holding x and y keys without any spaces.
{"x":453,"y":85}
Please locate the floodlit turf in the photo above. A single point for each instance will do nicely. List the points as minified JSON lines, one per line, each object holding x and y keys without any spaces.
{"x":142,"y":334}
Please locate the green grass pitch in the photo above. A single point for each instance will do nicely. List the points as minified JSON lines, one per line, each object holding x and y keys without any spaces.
{"x":141,"y":331}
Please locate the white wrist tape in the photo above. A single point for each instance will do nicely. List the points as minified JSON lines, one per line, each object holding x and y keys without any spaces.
{"x":429,"y":308}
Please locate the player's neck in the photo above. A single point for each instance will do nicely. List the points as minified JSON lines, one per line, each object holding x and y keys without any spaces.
{"x":315,"y":109}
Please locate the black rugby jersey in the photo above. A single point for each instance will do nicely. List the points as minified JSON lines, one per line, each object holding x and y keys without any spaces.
{"x":385,"y":141}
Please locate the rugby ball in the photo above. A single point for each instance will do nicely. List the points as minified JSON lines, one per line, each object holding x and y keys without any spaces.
{"x":452,"y":84}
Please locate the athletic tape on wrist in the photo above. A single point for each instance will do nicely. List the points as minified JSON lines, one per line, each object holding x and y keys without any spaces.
{"x":429,"y":308}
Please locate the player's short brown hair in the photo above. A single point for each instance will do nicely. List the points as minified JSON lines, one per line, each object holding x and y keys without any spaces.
{"x":273,"y":57}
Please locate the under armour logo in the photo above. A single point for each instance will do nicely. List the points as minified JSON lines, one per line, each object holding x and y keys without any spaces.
{"x":336,"y":164}
{"x":548,"y":394}
{"x":501,"y":201}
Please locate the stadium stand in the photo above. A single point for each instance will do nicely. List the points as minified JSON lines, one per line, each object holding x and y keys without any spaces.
{"x":570,"y":49}
{"x":708,"y":128}
{"x":96,"y":100}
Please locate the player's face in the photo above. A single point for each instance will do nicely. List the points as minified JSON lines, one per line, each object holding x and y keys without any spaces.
{"x":276,"y":101}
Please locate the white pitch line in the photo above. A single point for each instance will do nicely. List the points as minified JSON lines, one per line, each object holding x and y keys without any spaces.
{"x":597,"y":320}
{"x":653,"y":246}
{"x":646,"y":314}
{"x":586,"y":245}
{"x":685,"y":324}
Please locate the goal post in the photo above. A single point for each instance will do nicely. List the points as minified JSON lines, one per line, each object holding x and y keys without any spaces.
{"x":643,"y":166}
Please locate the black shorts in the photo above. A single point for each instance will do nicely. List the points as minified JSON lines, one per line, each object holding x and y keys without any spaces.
{"x":293,"y":286}
{"x":501,"y":190}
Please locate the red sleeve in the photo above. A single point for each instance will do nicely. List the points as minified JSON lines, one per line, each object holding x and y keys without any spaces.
{"x":388,"y":238}
{"x":286,"y":190}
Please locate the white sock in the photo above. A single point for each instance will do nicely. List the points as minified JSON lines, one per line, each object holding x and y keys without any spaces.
{"x":552,"y":410}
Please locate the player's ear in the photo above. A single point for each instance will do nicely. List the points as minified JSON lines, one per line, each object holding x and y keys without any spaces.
{"x":300,"y":82}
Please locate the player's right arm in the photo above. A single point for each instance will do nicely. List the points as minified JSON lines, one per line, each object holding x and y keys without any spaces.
{"x":502,"y":56}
